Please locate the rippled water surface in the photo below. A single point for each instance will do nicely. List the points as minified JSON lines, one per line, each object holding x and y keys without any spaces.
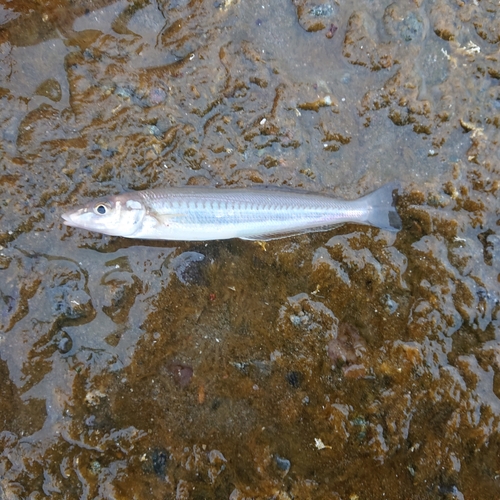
{"x":346,"y":364}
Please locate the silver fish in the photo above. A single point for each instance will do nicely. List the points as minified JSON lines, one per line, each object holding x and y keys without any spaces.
{"x":201,"y":214}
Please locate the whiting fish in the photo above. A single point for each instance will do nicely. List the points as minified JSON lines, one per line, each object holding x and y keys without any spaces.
{"x":200,"y":213}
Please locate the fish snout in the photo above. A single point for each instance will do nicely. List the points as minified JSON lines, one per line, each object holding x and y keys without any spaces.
{"x":72,"y":218}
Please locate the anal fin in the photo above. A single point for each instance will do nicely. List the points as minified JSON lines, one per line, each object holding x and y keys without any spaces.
{"x":287,"y":234}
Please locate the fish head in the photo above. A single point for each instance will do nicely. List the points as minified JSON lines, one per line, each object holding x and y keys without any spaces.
{"x":118,"y":215}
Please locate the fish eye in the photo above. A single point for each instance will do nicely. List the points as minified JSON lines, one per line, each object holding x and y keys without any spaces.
{"x":101,"y":208}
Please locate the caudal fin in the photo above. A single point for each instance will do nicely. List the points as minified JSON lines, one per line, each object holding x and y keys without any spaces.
{"x":381,"y":207}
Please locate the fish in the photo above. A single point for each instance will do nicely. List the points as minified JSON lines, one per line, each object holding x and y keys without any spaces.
{"x":205,"y":213}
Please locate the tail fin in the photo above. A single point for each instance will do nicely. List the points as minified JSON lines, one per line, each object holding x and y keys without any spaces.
{"x":381,"y":207}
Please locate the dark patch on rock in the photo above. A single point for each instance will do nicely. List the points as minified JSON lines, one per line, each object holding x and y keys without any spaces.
{"x":160,"y":461}
{"x":294,"y":378}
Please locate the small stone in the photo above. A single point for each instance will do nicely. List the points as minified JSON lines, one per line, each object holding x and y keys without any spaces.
{"x":282,"y":463}
{"x":294,"y":378}
{"x":95,"y":467}
{"x":157,"y":96}
{"x":123,"y":92}
{"x":159,"y":459}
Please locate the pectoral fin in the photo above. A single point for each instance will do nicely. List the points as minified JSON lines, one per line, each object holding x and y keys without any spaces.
{"x":167,"y":219}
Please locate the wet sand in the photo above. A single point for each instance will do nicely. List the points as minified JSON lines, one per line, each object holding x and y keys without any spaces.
{"x":353,"y":363}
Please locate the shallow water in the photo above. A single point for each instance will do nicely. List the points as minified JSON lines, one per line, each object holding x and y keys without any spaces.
{"x":347,"y":364}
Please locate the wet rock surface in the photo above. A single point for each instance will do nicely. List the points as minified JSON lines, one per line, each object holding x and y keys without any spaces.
{"x":346,"y":364}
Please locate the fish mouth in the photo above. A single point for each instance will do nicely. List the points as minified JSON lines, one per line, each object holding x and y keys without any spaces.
{"x":67,"y":219}
{"x":77,"y":219}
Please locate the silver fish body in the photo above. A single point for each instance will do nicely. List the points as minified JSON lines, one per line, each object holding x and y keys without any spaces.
{"x":200,"y":214}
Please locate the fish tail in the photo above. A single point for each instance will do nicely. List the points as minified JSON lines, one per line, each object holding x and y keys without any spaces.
{"x":381,"y":207}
